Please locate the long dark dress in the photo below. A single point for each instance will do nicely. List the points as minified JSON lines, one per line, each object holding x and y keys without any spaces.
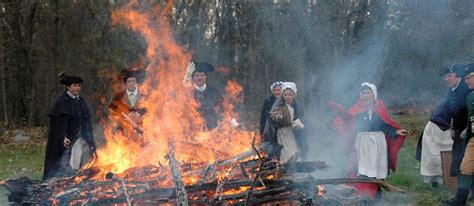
{"x":68,"y":118}
{"x":267,"y":106}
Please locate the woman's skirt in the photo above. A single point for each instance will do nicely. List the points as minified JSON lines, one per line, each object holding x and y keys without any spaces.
{"x":290,"y":150}
{"x":372,"y":159}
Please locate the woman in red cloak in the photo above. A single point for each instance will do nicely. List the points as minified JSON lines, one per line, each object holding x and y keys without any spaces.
{"x":371,"y":137}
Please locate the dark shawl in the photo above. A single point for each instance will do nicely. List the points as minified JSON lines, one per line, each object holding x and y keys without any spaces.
{"x":270,"y":142}
{"x":267,"y":106}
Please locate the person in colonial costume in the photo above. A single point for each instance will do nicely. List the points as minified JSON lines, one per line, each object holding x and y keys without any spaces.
{"x":126,"y":108}
{"x":275,"y":88}
{"x":209,"y":98}
{"x":466,"y":180}
{"x":69,"y":121}
{"x":279,"y":133}
{"x":446,"y":123}
{"x":373,"y":138}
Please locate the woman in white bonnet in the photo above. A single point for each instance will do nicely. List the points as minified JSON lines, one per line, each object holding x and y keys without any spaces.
{"x":374,"y":137}
{"x":284,"y":118}
{"x":275,"y":88}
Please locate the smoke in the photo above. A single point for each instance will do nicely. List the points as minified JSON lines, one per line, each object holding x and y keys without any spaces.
{"x":398,"y":45}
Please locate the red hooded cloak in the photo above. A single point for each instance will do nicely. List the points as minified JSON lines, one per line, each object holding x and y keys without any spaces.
{"x":345,"y":125}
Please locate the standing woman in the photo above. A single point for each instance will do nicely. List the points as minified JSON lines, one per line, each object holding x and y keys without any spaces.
{"x":275,"y":88}
{"x":282,"y":122}
{"x":374,"y":136}
{"x":69,"y":121}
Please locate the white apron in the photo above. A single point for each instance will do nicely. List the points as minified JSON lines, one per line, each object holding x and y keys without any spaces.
{"x":286,"y":137}
{"x":372,"y":156}
{"x":434,"y":141}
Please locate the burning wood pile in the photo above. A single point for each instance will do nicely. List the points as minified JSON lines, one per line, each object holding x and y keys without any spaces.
{"x":245,"y":179}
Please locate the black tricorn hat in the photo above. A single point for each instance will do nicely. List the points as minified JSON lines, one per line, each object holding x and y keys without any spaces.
{"x":68,"y":80}
{"x":452,"y":68}
{"x":203,"y":67}
{"x":468,"y":69}
{"x":138,"y":74}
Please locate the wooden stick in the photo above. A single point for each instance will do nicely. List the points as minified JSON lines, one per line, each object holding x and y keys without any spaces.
{"x":181,"y":196}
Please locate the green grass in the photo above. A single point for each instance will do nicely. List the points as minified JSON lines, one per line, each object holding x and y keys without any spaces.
{"x":408,"y":175}
{"x":22,"y":160}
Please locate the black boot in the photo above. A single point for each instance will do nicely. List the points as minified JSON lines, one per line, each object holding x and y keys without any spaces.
{"x":459,"y":199}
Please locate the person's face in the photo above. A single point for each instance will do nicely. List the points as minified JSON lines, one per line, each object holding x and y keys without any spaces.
{"x":367,"y":96}
{"x":131,"y":84}
{"x":276,"y":91}
{"x":288,"y":96}
{"x":469,"y":81}
{"x":199,"y":78}
{"x":74,"y":89}
{"x":450,"y":79}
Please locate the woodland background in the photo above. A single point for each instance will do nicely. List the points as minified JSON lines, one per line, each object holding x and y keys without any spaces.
{"x":328,"y":47}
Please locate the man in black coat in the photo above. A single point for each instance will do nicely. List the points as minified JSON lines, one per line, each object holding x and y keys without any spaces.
{"x":69,"y":121}
{"x":209,"y":97}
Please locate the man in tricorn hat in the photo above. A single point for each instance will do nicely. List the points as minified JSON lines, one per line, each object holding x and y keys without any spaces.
{"x":446,"y":123}
{"x":465,"y":182}
{"x":69,"y":121}
{"x":126,"y":107}
{"x":209,"y":97}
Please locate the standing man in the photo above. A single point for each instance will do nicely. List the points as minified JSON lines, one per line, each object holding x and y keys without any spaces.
{"x":465,"y":182}
{"x":445,"y":125}
{"x":209,"y":98}
{"x":69,"y":121}
{"x":125,"y":107}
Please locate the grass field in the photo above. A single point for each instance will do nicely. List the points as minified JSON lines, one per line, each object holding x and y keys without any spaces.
{"x":18,"y":160}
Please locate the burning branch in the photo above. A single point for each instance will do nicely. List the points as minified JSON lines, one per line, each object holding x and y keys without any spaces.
{"x":181,"y":196}
{"x":259,"y":172}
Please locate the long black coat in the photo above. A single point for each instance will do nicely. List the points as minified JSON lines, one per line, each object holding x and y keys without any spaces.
{"x":63,"y":123}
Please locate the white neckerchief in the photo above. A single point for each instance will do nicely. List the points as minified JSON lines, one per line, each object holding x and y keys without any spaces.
{"x":132,"y":96}
{"x":72,"y":96}
{"x":455,"y":87}
{"x":134,"y":92}
{"x":200,"y":88}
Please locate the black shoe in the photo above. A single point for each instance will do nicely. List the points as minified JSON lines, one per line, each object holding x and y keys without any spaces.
{"x":434,"y":184}
{"x":458,"y":200}
{"x":455,"y":201}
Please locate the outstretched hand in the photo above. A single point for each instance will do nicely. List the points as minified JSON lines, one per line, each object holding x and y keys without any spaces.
{"x":402,"y":132}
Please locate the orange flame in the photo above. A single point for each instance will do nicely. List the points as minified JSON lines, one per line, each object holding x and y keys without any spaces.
{"x":172,"y":111}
